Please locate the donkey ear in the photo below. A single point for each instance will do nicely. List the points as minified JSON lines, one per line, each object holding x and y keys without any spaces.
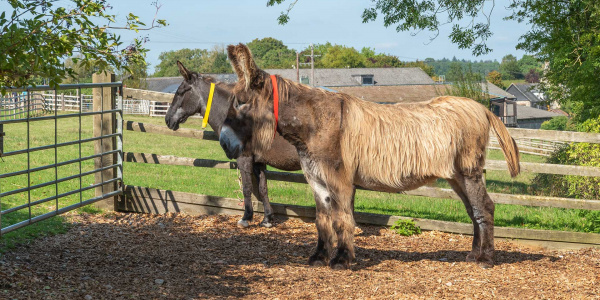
{"x":247,"y":66}
{"x":232,"y":54}
{"x":187,"y":75}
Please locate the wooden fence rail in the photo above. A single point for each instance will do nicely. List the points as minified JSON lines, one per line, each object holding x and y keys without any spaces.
{"x":433,"y":192}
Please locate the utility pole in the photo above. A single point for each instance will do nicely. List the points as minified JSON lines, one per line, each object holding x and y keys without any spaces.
{"x":312,"y":64}
{"x":298,"y":66}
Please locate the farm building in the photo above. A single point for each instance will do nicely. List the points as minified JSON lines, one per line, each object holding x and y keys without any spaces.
{"x":529,"y":95}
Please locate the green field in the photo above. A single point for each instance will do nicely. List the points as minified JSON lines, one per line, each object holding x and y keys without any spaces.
{"x":225,"y":183}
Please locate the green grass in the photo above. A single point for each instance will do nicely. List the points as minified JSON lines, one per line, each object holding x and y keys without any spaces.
{"x":225,"y":183}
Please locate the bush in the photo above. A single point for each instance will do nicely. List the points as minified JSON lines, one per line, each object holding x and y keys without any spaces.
{"x":559,"y":123}
{"x":406,"y":227}
{"x":580,"y":154}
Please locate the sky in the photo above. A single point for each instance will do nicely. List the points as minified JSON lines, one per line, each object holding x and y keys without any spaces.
{"x":208,"y":23}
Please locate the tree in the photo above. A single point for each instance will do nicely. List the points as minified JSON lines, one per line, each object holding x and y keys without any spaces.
{"x":509,"y":67}
{"x":529,"y":62}
{"x":271,"y":53}
{"x":343,"y":57}
{"x":466,"y":83}
{"x":135,"y":76}
{"x":37,"y":36}
{"x":566,"y":37}
{"x":83,"y":73}
{"x":495,"y":78}
{"x":191,"y":58}
{"x":532,"y":76}
{"x":422,"y":65}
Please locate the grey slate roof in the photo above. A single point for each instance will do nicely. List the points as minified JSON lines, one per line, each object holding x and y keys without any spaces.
{"x":526,"y":112}
{"x":351,"y":77}
{"x":524,"y":91}
{"x":323,"y":77}
{"x":494,"y":90}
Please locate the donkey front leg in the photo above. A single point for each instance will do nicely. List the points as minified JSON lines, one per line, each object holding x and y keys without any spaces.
{"x":263,"y":194}
{"x":245,"y":166}
{"x":324,"y":226}
{"x":343,"y":223}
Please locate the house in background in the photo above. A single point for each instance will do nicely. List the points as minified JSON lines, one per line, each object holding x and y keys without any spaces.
{"x":528,"y":94}
{"x":526,"y":117}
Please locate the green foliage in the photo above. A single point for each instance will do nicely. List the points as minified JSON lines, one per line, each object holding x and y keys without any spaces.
{"x":406,"y":227}
{"x":566,"y":36}
{"x":442,"y":66}
{"x":495,"y":78}
{"x":343,"y":57}
{"x":37,"y":36}
{"x":198,"y":60}
{"x":136,"y":76}
{"x":509,"y":67}
{"x":529,"y":62}
{"x":580,"y":154}
{"x":559,"y":123}
{"x":466,"y":83}
{"x":271,"y":53}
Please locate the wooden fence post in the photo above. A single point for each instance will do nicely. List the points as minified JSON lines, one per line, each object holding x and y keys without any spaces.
{"x":104,"y":124}
{"x":62,"y":102}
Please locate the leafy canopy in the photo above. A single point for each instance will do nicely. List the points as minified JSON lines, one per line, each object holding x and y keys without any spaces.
{"x":198,"y":60}
{"x":37,"y":36}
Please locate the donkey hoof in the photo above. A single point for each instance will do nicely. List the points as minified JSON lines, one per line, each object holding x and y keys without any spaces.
{"x":317,"y":261}
{"x":266,"y":224}
{"x":243,"y":224}
{"x":485,"y":263}
{"x":338,"y":263}
{"x":471,"y":257}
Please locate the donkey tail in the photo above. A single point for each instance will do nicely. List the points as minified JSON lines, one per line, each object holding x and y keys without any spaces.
{"x":507,"y":144}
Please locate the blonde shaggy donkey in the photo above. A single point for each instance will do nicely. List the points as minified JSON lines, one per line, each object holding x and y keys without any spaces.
{"x":345,"y":142}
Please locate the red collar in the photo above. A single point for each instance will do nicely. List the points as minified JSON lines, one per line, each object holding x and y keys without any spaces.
{"x":275,"y":100}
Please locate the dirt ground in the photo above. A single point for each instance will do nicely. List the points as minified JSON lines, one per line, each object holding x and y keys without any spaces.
{"x":132,"y":256}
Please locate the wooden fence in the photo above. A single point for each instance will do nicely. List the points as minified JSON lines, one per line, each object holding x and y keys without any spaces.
{"x":142,"y":199}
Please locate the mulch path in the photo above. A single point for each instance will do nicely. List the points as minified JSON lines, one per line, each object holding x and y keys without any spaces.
{"x":134,"y":256}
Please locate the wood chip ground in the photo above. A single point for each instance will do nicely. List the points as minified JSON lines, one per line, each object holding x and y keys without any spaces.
{"x":133,"y":256}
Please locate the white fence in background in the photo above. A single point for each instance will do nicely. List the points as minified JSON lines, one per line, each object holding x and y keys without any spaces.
{"x":62,"y":102}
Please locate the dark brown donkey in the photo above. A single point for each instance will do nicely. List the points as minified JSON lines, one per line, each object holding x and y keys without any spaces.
{"x":344,"y":141}
{"x":191,"y":98}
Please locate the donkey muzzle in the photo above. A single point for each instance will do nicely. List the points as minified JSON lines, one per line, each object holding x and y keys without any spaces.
{"x":230,"y":143}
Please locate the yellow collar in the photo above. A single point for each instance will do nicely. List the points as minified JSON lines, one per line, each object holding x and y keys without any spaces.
{"x":208,"y":104}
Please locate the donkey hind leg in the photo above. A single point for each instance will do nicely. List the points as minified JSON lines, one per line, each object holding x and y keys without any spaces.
{"x":483,"y":211}
{"x":459,"y":189}
{"x":343,"y":224}
{"x":263,"y":195}
{"x":324,"y":225}
{"x":245,"y":167}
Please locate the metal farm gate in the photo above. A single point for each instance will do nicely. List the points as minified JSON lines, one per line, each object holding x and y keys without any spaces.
{"x":54,"y":161}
